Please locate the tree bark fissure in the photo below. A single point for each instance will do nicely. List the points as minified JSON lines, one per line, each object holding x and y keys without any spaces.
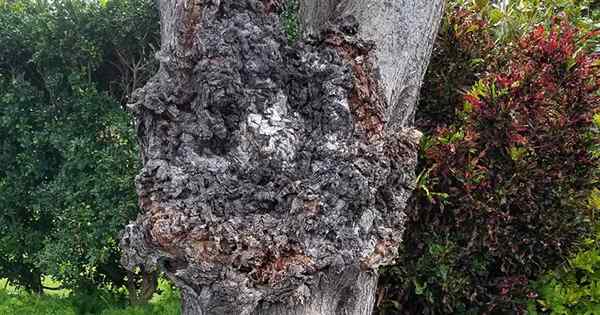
{"x":272,"y":181}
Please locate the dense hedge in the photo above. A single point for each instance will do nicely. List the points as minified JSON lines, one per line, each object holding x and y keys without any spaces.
{"x":67,"y":148}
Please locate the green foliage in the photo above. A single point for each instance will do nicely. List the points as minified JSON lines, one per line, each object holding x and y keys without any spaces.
{"x":459,"y":56}
{"x":68,"y":152}
{"x":476,"y":36}
{"x":31,"y":160}
{"x":503,"y":191}
{"x":573,"y":288}
{"x":512,"y":19}
{"x":289,"y":19}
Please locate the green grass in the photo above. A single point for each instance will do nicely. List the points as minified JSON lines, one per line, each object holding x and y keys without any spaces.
{"x":6,"y":287}
{"x":14,"y":301}
{"x":25,"y":304}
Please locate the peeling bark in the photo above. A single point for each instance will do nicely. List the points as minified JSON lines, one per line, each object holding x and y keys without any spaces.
{"x":273,"y":181}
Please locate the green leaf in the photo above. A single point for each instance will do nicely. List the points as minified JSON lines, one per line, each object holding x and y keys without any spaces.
{"x":419,"y":288}
{"x":481,"y":4}
{"x":594,"y":199}
{"x":496,"y":15}
{"x":596,"y":120}
{"x":517,"y":153}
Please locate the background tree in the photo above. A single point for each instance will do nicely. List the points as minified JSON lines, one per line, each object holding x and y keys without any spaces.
{"x":68,"y":151}
{"x":275,"y":177}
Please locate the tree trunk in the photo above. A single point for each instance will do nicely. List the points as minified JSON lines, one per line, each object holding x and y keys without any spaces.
{"x":348,"y":292}
{"x":141,"y":286}
{"x":403,"y":32}
{"x":275,"y":177}
{"x":36,"y":285}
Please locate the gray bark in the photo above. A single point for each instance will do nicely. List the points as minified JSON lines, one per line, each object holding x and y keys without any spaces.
{"x":275,"y":178}
{"x":349,"y":292}
{"x":403,"y":32}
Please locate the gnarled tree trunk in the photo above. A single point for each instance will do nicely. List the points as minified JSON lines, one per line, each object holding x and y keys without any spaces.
{"x":275,"y":177}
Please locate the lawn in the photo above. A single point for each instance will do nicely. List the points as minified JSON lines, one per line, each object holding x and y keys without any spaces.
{"x":14,"y":301}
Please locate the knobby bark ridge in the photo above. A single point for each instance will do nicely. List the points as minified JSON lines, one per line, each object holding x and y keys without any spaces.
{"x":274,"y":177}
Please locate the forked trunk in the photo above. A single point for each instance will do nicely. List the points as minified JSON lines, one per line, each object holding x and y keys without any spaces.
{"x":275,"y":177}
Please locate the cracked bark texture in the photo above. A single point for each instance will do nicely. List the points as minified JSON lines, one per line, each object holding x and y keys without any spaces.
{"x":274,"y":177}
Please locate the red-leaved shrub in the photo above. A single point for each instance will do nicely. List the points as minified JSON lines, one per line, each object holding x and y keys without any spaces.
{"x":464,"y":41}
{"x":502,"y":190}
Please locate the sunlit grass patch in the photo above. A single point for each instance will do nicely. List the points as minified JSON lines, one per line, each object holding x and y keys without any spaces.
{"x":7,"y":287}
{"x":15,"y":301}
{"x":19,"y":303}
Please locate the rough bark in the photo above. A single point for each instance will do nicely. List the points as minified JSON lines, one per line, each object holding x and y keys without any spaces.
{"x":334,"y":292}
{"x":274,"y":178}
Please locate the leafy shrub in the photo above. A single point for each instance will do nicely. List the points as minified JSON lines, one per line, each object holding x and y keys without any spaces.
{"x":477,"y":36}
{"x":501,"y":196}
{"x":513,"y":19}
{"x":574,"y":288}
{"x":463,"y":41}
{"x":67,"y":147}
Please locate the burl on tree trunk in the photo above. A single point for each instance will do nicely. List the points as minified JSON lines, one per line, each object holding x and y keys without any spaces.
{"x":275,"y":176}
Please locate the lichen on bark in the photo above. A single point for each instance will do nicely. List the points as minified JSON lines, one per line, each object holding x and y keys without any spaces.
{"x":265,"y":166}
